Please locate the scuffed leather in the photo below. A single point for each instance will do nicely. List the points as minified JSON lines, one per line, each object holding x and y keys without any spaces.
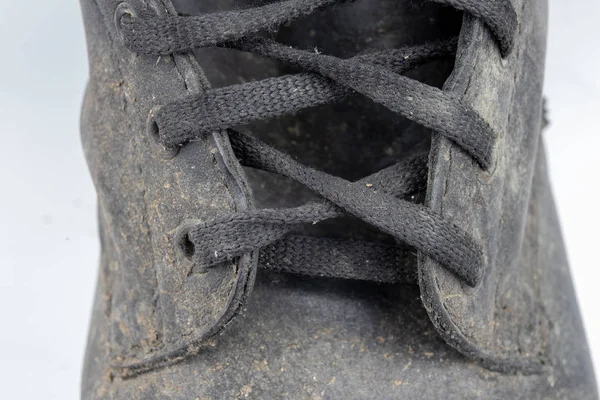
{"x":158,"y":307}
{"x":503,"y":321}
{"x":303,"y":338}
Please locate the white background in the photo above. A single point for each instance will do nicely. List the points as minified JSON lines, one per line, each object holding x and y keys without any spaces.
{"x":48,"y":243}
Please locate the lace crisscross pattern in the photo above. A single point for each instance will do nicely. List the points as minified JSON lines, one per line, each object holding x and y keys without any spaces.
{"x":383,"y":199}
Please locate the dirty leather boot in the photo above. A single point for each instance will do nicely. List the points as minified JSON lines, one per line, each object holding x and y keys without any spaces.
{"x":325,"y":199}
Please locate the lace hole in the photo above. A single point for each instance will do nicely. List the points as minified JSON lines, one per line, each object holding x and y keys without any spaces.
{"x":122,"y":10}
{"x":153,"y":132}
{"x":186,"y":246}
{"x":187,"y":249}
{"x":505,"y":60}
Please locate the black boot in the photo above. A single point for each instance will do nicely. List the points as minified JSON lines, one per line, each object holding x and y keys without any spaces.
{"x":325,"y":199}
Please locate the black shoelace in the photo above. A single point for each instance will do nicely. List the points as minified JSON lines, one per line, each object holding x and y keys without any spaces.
{"x":382,"y":199}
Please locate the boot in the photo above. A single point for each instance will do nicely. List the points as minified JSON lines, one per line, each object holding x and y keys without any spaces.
{"x":325,"y":199}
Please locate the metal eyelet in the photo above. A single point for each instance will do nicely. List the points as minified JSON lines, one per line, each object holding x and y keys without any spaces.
{"x":121,"y":11}
{"x":152,"y":131}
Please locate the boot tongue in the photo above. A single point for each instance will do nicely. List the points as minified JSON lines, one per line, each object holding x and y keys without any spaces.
{"x":352,"y":138}
{"x":353,"y":27}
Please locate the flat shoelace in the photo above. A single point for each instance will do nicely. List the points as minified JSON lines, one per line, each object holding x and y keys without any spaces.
{"x":380,"y":199}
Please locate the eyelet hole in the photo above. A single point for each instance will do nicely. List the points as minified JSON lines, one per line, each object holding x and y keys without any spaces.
{"x":153,"y":132}
{"x":183,"y":243}
{"x":122,"y":10}
{"x":188,"y":248}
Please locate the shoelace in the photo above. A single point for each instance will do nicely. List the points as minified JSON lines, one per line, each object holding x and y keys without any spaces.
{"x":382,"y":199}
